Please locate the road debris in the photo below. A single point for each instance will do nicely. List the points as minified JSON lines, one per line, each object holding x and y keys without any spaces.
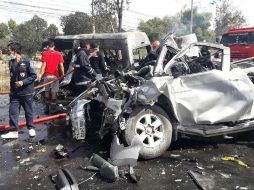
{"x":42,"y":149}
{"x":64,"y":180}
{"x":238,"y":161}
{"x":175,"y":155}
{"x":106,"y":169}
{"x":37,"y":168}
{"x":61,"y":152}
{"x":121,"y":155}
{"x":241,"y":188}
{"x":25,"y":161}
{"x":36,"y":177}
{"x":202,"y":180}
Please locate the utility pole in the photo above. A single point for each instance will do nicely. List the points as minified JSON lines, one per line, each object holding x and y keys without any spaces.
{"x":93,"y":21}
{"x":191,"y":19}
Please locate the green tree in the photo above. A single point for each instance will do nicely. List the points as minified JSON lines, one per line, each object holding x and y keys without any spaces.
{"x":39,"y":24}
{"x":12,"y":25}
{"x":27,"y":35}
{"x":156,"y":28}
{"x":4,"y":30}
{"x":227,"y":16}
{"x":31,"y":34}
{"x":51,"y":31}
{"x":77,"y":23}
{"x":104,"y":11}
{"x":120,"y":5}
{"x":201,"y":23}
{"x":107,"y":9}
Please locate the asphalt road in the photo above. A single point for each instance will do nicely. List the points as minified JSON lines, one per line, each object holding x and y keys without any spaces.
{"x":27,"y":165}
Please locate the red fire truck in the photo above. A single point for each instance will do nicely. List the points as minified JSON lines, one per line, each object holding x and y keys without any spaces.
{"x":240,"y":41}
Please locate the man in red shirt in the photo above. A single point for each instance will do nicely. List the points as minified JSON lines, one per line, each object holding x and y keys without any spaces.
{"x":52,"y":60}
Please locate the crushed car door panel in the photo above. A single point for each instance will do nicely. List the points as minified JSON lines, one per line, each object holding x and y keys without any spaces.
{"x":213,"y":97}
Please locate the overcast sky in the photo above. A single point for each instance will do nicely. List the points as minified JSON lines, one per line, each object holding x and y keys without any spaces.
{"x":138,"y":9}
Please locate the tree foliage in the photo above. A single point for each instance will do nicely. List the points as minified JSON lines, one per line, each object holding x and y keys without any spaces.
{"x":179,"y":24}
{"x":201,"y":23}
{"x":77,"y":23}
{"x":227,"y":16}
{"x":155,"y":28}
{"x":27,"y":36}
{"x":107,"y":9}
{"x":4,"y":30}
{"x":51,"y":31}
{"x":104,"y":11}
{"x":12,"y":26}
{"x":32,"y":33}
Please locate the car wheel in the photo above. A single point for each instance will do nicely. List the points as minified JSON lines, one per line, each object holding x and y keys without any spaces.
{"x":154,"y":129}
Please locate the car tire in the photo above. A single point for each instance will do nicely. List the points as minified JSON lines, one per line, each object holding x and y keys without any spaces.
{"x":154,"y":129}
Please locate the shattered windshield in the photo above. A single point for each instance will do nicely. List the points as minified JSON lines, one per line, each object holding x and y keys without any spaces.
{"x":238,"y":38}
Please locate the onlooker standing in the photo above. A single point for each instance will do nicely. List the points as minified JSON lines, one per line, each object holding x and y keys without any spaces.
{"x":52,"y":60}
{"x":22,"y":77}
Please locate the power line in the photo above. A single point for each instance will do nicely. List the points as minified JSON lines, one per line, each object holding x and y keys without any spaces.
{"x":35,"y":6}
{"x":140,"y":13}
{"x":59,"y":4}
{"x":28,"y":11}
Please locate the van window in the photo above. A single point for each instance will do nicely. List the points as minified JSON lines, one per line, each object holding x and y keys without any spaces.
{"x":139,"y":54}
{"x":114,"y":59}
{"x":113,"y":55}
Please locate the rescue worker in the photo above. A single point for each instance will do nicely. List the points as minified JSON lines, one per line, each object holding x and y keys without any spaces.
{"x":83,"y":73}
{"x":52,"y":60}
{"x":22,"y":77}
{"x":98,"y":61}
{"x":155,"y":44}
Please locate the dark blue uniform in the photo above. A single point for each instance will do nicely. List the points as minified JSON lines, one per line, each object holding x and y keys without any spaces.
{"x":21,"y":96}
{"x":83,"y":71}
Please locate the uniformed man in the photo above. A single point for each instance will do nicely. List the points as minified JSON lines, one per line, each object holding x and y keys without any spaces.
{"x":83,"y":73}
{"x":97,"y":61}
{"x":22,"y":77}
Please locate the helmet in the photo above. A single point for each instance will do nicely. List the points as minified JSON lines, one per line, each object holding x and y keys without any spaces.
{"x":155,"y":44}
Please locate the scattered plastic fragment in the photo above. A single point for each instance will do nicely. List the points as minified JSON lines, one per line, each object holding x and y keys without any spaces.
{"x":36,"y":168}
{"x":238,"y":161}
{"x":36,"y":177}
{"x":42,"y":149}
{"x":199,"y":167}
{"x":25,"y":161}
{"x":241,"y":188}
{"x":61,"y":152}
{"x":225,"y":175}
{"x":175,"y":155}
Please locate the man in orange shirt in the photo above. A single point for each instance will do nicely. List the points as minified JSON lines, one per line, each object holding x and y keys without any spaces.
{"x":52,"y":60}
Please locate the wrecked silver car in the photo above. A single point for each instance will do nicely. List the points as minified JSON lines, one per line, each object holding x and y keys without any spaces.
{"x":193,"y":91}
